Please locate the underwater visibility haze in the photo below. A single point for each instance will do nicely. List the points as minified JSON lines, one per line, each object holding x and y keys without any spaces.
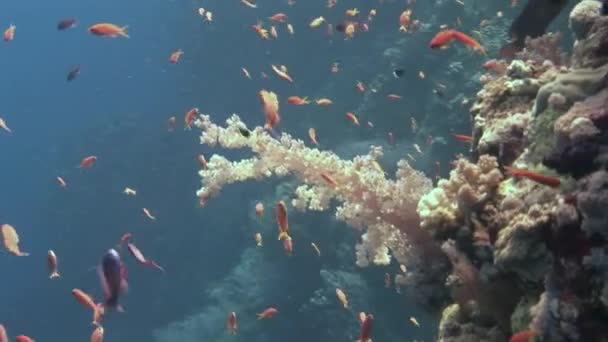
{"x":304,"y":170}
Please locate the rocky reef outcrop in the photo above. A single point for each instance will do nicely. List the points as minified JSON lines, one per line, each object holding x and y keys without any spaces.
{"x":523,"y":218}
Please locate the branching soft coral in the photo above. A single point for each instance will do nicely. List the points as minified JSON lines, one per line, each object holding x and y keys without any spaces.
{"x":387,"y":208}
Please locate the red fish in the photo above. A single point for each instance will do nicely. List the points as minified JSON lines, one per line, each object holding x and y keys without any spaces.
{"x":393,"y":97}
{"x":365,"y":332}
{"x":444,"y":38}
{"x":523,"y":336}
{"x":189,"y":118}
{"x":87,"y":161}
{"x":9,"y":34}
{"x":175,"y":56}
{"x":360,"y":86}
{"x":329,"y":180}
{"x":463,"y":138}
{"x":534,"y":176}
{"x":126,"y":237}
{"x":231,"y":323}
{"x":352,"y":118}
{"x":298,"y":101}
{"x":280,"y":17}
{"x":282,"y":220}
{"x":23,"y":338}
{"x":268,"y":313}
{"x":139,"y":256}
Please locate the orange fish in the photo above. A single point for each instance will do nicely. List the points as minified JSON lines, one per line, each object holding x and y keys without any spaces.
{"x":342,"y":298}
{"x":444,"y":38}
{"x":231,"y":323}
{"x":463,"y":138}
{"x":312,"y":134}
{"x":261,"y":31}
{"x":171,"y":124}
{"x":270,"y":103}
{"x":97,"y":335}
{"x":362,"y":317}
{"x":89,"y":303}
{"x":3,"y":335}
{"x":4,"y":126}
{"x":404,"y":20}
{"x":109,"y":30}
{"x":298,"y":101}
{"x":259,"y":209}
{"x":282,"y":73}
{"x":329,"y":180}
{"x":288,"y":245}
{"x":87,"y":161}
{"x":280,"y":17}
{"x":534,"y":176}
{"x":189,"y":118}
{"x":9,"y":34}
{"x":84,"y":299}
{"x":469,"y":41}
{"x":175,"y":56}
{"x":51,"y":260}
{"x":268,"y":313}
{"x":23,"y":338}
{"x":352,"y":118}
{"x":349,"y":32}
{"x":61,"y":182}
{"x":11,"y":240}
{"x":282,"y":220}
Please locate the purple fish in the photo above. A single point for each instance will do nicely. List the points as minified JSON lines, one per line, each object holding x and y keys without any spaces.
{"x":66,"y":24}
{"x":139,"y":256}
{"x":113,"y":277}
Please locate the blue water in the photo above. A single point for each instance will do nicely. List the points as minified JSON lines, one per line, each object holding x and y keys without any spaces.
{"x":117,"y":109}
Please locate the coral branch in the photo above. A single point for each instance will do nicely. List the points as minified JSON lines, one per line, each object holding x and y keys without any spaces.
{"x":387,"y":208}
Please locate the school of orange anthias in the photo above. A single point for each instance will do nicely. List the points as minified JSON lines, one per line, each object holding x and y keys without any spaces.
{"x":112,"y":271}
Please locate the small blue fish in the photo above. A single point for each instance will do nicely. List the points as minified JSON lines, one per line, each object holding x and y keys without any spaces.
{"x":66,"y":24}
{"x":113,"y":277}
{"x":74,"y":71}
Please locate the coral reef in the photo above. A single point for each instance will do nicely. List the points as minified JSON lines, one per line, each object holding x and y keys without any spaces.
{"x":548,"y":117}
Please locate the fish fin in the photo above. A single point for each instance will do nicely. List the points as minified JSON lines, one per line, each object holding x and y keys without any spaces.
{"x":54,"y":275}
{"x":123,"y":31}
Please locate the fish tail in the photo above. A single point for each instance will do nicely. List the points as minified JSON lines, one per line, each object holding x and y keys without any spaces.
{"x":123,"y":31}
{"x":54,"y":275}
{"x":284,"y":235}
